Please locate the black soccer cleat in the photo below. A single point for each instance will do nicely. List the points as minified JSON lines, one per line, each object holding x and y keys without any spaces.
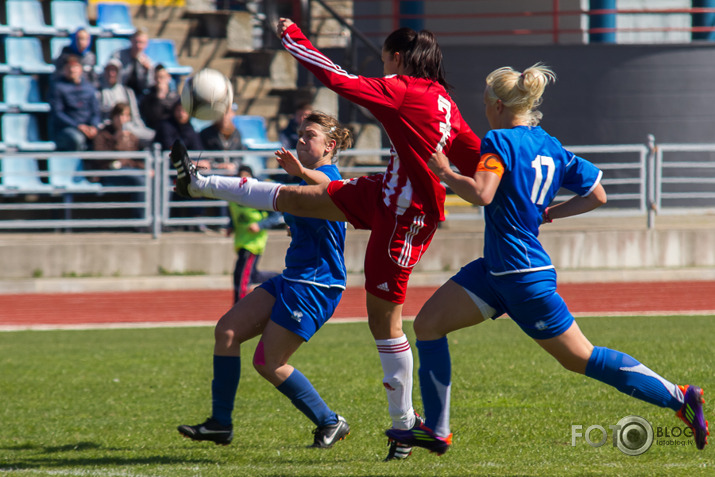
{"x":326,"y":436}
{"x":185,"y":169}
{"x":211,"y":430}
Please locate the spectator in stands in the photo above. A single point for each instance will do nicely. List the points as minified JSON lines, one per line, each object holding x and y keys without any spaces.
{"x":137,"y":70}
{"x":80,"y":46}
{"x":178,"y":126}
{"x":159,"y":102}
{"x":112,"y":92}
{"x":222,"y":135}
{"x":75,"y":114}
{"x":289,"y":135}
{"x":115,"y":137}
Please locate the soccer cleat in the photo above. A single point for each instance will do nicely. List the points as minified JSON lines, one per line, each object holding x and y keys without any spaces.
{"x":211,"y":430}
{"x":326,"y":436}
{"x":692,"y":414}
{"x":185,"y":169}
{"x":398,"y":450}
{"x":421,"y":436}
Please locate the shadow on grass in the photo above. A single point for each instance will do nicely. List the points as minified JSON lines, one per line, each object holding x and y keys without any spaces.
{"x":42,"y":457}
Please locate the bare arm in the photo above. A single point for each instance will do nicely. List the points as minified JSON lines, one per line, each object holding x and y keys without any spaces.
{"x":577,"y":205}
{"x":478,"y":190}
{"x":292,"y":166}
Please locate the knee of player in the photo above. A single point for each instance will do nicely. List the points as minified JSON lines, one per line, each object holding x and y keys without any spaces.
{"x":224,"y":334}
{"x":260,"y":364}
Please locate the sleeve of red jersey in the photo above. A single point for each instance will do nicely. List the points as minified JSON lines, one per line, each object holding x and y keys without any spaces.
{"x":367,"y":92}
{"x":464,"y":152}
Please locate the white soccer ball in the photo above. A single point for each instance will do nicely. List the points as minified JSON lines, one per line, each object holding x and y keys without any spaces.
{"x":207,"y":95}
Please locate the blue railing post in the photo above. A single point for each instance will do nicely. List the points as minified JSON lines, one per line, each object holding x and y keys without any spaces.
{"x":602,"y":20}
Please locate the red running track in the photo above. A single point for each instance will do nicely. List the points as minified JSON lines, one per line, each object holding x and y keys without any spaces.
{"x":26,"y":310}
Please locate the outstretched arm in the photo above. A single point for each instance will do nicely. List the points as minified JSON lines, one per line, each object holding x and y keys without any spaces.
{"x":478,"y":190}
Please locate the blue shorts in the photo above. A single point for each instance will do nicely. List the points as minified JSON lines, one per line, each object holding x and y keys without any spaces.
{"x":300,"y":307}
{"x":530,"y":298}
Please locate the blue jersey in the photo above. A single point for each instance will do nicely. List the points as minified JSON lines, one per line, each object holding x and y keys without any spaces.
{"x":536,"y":166}
{"x":317,"y":246}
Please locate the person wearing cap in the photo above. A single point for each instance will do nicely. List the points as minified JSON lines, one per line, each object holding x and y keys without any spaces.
{"x":80,"y":46}
{"x":74,"y":108}
{"x":113,"y":92}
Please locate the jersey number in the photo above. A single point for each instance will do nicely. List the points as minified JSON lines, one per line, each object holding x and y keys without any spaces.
{"x":540,"y":183}
{"x":445,"y":127}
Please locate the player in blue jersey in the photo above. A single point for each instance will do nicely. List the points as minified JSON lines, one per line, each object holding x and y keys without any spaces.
{"x":520,"y":171}
{"x":288,"y":309}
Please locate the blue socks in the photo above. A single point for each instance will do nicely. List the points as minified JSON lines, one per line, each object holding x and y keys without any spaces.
{"x":435,"y":383}
{"x":631,"y":377}
{"x":303,"y":395}
{"x":227,"y":372}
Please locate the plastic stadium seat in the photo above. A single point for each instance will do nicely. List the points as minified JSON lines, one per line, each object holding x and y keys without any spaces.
{"x":163,"y":51}
{"x":21,"y":131}
{"x":253,"y":133}
{"x":57,"y":44}
{"x":23,"y":93}
{"x":21,"y":174}
{"x":26,"y":16}
{"x":68,"y":15}
{"x":63,"y":174}
{"x":105,"y":48}
{"x":115,"y":18}
{"x":25,"y":54}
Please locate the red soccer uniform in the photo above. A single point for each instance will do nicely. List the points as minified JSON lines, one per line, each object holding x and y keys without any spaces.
{"x":420,"y":118}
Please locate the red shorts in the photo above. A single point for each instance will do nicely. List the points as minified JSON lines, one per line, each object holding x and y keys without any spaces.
{"x":396,"y":243}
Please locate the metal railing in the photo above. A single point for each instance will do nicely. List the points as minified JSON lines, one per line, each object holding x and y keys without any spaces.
{"x":641,"y":180}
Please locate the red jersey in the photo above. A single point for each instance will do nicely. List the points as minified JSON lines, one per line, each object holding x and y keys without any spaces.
{"x":418,"y":116}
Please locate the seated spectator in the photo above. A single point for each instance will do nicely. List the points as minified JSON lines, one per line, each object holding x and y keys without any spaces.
{"x":112,"y":92}
{"x":80,"y":46}
{"x":74,"y":114}
{"x":178,"y":126}
{"x":158,"y":103}
{"x":289,"y":135}
{"x":114,"y":137}
{"x":137,"y":70}
{"x":222,"y":135}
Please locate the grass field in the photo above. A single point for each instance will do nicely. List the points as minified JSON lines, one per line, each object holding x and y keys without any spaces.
{"x":107,"y":403}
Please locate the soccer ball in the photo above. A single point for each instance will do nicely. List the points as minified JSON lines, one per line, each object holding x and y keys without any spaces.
{"x":207,"y":95}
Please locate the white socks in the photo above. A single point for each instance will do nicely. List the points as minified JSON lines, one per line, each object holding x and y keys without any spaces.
{"x":397,"y":364}
{"x":245,"y":191}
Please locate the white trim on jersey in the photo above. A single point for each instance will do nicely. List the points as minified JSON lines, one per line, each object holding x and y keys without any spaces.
{"x":307,"y":282}
{"x":313,"y":57}
{"x":598,"y":181}
{"x":522,"y":270}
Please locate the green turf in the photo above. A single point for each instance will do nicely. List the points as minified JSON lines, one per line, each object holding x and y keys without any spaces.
{"x":107,"y":403}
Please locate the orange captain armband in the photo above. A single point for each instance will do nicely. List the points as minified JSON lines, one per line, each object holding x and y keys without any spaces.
{"x":490,"y":162}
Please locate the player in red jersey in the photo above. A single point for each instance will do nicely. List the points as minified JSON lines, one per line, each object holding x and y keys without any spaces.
{"x":402,"y":207}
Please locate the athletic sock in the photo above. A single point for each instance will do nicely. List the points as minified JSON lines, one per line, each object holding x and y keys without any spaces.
{"x":303,"y":395}
{"x":227,"y":373}
{"x":397,"y":365}
{"x":245,"y":191}
{"x":631,"y":377}
{"x":435,"y":383}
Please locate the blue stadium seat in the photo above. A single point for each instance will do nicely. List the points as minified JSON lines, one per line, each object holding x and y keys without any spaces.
{"x":115,"y":18}
{"x":25,"y":54}
{"x":22,"y":92}
{"x":253,"y":133}
{"x":22,"y":174}
{"x":22,"y":131}
{"x":68,"y":15}
{"x":105,"y":48}
{"x":26,"y":16}
{"x":57,"y":44}
{"x":163,"y":51}
{"x":63,"y":174}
